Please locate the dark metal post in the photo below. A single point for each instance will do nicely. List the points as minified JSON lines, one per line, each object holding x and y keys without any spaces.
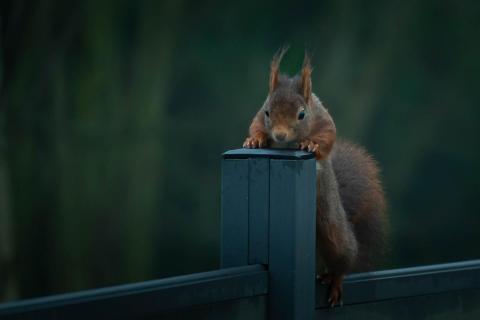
{"x":268,"y":217}
{"x":234,"y":206}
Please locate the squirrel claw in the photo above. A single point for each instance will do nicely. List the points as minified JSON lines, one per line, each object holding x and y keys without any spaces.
{"x":332,"y":303}
{"x":309,"y":145}
{"x":252,"y":143}
{"x":335,"y":300}
{"x":249,"y":143}
{"x":335,"y":290}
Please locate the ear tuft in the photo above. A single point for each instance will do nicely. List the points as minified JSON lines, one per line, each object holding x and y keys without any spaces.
{"x":306,"y":76}
{"x":275,"y":68}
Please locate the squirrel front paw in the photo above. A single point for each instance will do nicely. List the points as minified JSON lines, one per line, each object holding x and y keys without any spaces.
{"x":309,"y":145}
{"x":255,"y":142}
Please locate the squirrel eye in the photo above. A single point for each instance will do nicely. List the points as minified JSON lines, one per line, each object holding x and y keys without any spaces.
{"x":267,"y":113}
{"x":301,"y":115}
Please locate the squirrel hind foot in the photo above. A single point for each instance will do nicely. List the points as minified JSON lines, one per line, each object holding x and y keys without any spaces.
{"x":335,"y":288}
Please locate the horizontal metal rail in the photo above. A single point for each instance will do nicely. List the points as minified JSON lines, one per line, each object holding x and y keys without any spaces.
{"x":406,"y":282}
{"x":156,"y":297}
{"x":145,"y":299}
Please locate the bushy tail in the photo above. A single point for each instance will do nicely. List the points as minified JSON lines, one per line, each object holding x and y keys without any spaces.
{"x":363,"y":199}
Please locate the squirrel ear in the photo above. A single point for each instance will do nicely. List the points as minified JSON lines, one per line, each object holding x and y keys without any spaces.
{"x":306,"y":84}
{"x":275,"y":68}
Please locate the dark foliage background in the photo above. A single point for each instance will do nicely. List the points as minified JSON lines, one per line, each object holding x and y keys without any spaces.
{"x":113,"y":116}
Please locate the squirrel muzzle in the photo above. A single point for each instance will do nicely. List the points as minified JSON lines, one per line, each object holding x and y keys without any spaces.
{"x":283,"y":135}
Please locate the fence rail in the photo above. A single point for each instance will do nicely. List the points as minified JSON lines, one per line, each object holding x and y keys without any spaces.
{"x":458,"y":282}
{"x":407,"y":282}
{"x":145,"y":299}
{"x":268,"y":265}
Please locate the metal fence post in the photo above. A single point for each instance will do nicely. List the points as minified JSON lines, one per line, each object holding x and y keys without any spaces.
{"x":268,"y":217}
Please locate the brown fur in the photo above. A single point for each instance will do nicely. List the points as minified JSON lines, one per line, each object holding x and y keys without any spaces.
{"x":363,"y":200}
{"x":306,"y":83}
{"x":351,"y":220}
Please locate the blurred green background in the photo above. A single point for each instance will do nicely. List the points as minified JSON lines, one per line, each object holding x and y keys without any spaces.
{"x":113,"y":116}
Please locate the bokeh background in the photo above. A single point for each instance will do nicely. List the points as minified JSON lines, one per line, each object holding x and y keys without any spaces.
{"x":113,"y":116}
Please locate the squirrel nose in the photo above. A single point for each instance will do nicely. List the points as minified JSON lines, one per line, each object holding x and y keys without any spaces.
{"x":280,"y":136}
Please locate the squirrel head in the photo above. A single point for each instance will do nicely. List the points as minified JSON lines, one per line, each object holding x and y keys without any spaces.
{"x":287,"y":108}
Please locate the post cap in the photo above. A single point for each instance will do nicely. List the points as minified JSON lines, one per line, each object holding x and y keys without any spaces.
{"x":287,"y":154}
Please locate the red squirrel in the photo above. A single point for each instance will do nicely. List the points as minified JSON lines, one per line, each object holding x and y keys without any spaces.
{"x":351,"y":217}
